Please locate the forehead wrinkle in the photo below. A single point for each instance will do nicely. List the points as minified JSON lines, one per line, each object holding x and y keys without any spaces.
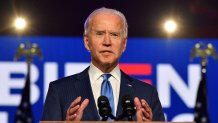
{"x":105,"y":29}
{"x":96,"y":17}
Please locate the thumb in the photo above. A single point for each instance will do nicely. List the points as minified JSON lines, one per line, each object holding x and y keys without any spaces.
{"x":137,"y":103}
{"x":81,"y":110}
{"x":84,"y":105}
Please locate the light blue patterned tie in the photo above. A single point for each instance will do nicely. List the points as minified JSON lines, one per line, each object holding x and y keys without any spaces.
{"x":106,"y":90}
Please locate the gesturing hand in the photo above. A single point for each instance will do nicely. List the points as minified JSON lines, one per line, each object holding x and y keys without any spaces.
{"x":75,"y":111}
{"x":143,"y":111}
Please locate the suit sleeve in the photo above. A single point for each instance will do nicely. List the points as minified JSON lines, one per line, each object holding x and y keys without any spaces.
{"x":52,"y":108}
{"x":156,"y":107}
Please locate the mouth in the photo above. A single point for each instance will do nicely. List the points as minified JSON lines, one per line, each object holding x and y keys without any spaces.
{"x":106,"y":52}
{"x":103,"y":51}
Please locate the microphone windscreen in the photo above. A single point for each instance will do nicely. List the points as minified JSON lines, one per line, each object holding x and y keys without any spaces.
{"x":104,"y":107}
{"x":103,"y":101}
{"x":128,"y":106}
{"x":126,"y":100}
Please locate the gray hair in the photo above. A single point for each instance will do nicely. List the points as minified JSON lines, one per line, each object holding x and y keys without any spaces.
{"x":106,"y":10}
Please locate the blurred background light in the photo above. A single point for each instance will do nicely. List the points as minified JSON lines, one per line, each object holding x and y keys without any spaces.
{"x":20,"y":23}
{"x":170,"y":26}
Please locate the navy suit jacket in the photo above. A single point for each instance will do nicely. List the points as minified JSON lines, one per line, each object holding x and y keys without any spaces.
{"x":62,"y":92}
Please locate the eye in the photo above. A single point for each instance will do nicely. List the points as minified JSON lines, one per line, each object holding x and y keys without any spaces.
{"x":115,"y":34}
{"x":99,"y":33}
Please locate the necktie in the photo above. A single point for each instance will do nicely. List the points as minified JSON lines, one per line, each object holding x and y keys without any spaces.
{"x":106,"y":90}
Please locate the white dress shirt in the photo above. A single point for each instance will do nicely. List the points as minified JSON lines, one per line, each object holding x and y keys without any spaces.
{"x":96,"y":80}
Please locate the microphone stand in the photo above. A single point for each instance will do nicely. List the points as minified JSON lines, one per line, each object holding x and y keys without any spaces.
{"x":105,"y":118}
{"x":122,"y":116}
{"x":130,"y":118}
{"x":113,"y":117}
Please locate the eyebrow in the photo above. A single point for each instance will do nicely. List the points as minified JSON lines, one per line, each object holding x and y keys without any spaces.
{"x":96,"y":30}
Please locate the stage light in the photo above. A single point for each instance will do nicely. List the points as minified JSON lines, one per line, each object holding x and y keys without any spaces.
{"x":20,"y":23}
{"x":170,"y":26}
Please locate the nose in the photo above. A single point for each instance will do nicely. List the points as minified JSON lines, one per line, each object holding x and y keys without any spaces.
{"x":107,"y":40}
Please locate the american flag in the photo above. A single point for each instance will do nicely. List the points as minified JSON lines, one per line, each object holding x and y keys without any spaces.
{"x":201,"y":106}
{"x":24,"y":112}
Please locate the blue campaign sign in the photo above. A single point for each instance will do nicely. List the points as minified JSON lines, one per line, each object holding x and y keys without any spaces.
{"x":165,"y":63}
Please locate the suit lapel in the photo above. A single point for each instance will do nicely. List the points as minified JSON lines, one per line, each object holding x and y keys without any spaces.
{"x":126,"y":88}
{"x":83,"y":88}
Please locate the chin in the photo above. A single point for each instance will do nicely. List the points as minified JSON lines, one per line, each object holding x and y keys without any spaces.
{"x":108,"y":64}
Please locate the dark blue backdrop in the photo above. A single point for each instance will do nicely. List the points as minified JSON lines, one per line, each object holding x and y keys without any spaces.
{"x":170,"y":55}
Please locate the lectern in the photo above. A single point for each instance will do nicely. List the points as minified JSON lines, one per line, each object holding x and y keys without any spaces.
{"x":106,"y":122}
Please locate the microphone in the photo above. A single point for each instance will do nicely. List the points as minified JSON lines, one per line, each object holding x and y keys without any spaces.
{"x":104,"y":108}
{"x":129,"y":109}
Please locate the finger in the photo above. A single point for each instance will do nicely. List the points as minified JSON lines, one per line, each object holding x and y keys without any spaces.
{"x":145,"y":102}
{"x":146,"y":106}
{"x":138,"y":109}
{"x":83,"y":105}
{"x":79,"y":112}
{"x":71,"y":117}
{"x":75,"y":102}
{"x":148,"y":110}
{"x":73,"y":110}
{"x":146,"y":114}
{"x":137,"y":103}
{"x":145,"y":119}
{"x":74,"y":106}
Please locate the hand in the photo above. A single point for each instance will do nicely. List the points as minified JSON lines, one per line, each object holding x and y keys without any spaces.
{"x":143,"y":111}
{"x":75,"y":111}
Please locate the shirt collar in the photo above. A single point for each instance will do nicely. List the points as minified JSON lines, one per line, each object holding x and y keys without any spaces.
{"x":95,"y":73}
{"x":116,"y":73}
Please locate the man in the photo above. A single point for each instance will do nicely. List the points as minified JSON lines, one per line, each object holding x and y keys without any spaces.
{"x":74,"y":98}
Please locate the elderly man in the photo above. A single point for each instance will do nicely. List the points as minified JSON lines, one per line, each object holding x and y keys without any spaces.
{"x":74,"y":98}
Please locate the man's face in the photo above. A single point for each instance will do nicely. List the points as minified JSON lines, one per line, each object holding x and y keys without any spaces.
{"x":105,"y":40}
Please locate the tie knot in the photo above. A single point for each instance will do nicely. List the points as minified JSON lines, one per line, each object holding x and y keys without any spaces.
{"x":106,"y":76}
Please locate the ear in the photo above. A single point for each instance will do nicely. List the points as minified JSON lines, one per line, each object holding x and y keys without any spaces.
{"x":86,"y":42}
{"x":124,"y":44}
